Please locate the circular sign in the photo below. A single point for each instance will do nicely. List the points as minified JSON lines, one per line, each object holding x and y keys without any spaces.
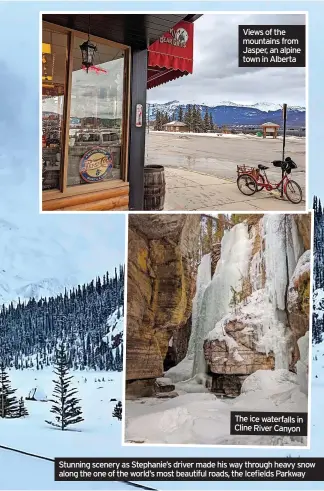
{"x":95,"y":165}
{"x":181,"y":36}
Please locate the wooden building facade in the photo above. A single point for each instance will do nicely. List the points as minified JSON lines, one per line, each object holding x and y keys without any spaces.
{"x":93,"y":122}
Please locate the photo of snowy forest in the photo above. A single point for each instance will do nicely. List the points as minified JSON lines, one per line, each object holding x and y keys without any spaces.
{"x":61,"y":343}
{"x":218,"y":321}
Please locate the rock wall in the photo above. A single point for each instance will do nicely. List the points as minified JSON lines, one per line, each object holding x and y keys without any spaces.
{"x":160,"y":288}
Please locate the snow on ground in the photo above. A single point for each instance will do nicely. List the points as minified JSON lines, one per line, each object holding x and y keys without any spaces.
{"x":223,"y":135}
{"x":30,"y":473}
{"x":99,"y":429}
{"x":205,"y":419}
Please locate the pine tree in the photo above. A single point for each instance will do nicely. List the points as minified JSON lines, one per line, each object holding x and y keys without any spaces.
{"x":180,"y":115}
{"x":65,"y":405}
{"x":206,"y":124}
{"x":8,"y":401}
{"x":211,"y":122}
{"x":188,"y":117}
{"x":118,"y":410}
{"x":22,"y":410}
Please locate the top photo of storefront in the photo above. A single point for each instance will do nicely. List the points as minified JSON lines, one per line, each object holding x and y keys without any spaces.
{"x":133,"y":114}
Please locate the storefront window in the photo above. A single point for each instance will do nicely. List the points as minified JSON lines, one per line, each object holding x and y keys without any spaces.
{"x":54,"y":52}
{"x":95,"y":126}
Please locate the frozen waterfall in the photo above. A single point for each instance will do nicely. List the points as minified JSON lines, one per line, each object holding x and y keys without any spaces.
{"x":232,"y":267}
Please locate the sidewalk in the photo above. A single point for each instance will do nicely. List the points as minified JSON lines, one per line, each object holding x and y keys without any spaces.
{"x":190,"y":190}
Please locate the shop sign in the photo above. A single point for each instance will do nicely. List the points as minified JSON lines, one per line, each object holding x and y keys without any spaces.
{"x":96,"y":165}
{"x":176,"y":36}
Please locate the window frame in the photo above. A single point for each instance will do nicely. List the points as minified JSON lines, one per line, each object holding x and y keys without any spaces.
{"x":65,"y":191}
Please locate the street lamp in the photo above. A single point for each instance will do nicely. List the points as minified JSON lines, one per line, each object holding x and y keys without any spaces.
{"x":88,"y":50}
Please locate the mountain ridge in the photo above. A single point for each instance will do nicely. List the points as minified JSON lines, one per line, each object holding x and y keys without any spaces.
{"x":231,"y":113}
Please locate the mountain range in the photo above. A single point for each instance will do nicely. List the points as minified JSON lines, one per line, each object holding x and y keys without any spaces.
{"x":230,"y":113}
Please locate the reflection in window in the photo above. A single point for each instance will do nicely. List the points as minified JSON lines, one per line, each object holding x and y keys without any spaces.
{"x":53,"y":88}
{"x":95,"y":131}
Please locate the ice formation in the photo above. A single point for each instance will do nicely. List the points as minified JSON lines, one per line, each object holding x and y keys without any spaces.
{"x":184,"y":370}
{"x":279,"y":258}
{"x":232,"y":267}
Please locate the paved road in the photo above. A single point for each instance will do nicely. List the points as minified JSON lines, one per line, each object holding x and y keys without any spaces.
{"x":219,"y":156}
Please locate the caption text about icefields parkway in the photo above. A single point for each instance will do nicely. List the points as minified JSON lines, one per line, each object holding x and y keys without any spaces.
{"x":246,"y":423}
{"x":100,"y":469}
{"x":271,"y":46}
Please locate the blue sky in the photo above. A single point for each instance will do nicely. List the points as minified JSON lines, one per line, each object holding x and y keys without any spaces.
{"x":19,"y":135}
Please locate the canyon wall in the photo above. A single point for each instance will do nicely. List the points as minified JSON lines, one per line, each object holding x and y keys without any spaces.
{"x":160,"y":291}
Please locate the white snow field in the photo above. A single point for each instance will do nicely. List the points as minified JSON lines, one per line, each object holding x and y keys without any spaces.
{"x":97,"y":436}
{"x":204,"y":419}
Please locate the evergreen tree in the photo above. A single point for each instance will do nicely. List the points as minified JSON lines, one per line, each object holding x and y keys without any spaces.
{"x":180,"y":115}
{"x":118,"y":410}
{"x":206,"y":124}
{"x":65,"y":405}
{"x":22,"y":410}
{"x":211,"y":123}
{"x":8,"y":401}
{"x":188,"y":117}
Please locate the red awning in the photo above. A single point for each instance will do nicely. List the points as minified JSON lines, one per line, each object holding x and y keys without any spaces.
{"x":171,"y":56}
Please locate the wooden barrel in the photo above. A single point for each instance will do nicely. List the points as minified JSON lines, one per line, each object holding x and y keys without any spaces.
{"x":154,"y":187}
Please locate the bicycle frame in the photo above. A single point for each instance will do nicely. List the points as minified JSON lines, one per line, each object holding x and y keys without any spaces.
{"x":269,"y":186}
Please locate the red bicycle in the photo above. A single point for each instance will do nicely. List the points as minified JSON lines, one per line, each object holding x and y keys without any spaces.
{"x":251,"y":180}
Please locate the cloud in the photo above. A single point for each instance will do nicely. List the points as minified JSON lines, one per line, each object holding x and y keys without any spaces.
{"x":217,"y":76}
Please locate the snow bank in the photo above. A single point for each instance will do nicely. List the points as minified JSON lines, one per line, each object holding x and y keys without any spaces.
{"x":205,"y":420}
{"x":302,"y":363}
{"x":269,"y":381}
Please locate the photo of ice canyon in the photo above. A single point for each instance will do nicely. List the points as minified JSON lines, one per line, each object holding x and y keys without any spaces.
{"x":217,"y":321}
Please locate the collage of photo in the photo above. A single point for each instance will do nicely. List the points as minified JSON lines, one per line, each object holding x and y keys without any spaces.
{"x":162,"y":253}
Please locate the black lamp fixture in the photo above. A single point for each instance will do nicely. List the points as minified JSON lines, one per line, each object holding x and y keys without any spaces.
{"x":88,"y":50}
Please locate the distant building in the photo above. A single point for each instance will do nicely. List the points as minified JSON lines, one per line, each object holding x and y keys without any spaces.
{"x":175,"y":126}
{"x":270,"y":129}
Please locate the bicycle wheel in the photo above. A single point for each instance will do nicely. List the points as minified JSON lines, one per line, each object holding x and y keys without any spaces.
{"x":293,"y":192}
{"x":259,"y":181}
{"x":246,"y":184}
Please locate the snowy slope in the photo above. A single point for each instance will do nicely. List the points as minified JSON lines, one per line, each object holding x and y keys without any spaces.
{"x":115,"y":328}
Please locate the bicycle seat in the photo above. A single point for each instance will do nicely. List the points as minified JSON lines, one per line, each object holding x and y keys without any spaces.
{"x":262,"y":167}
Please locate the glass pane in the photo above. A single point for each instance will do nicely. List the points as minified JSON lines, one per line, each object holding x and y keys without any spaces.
{"x":96,"y":116}
{"x":54,"y":51}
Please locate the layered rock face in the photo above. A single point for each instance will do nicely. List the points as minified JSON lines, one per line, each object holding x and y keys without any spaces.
{"x":160,"y":289}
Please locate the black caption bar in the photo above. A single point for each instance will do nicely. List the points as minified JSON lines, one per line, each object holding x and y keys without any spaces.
{"x":276,"y":469}
{"x":284,"y":424}
{"x":272,"y":46}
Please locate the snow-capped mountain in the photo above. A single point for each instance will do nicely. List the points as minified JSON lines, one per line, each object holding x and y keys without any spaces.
{"x":231,"y":113}
{"x":40,"y":257}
